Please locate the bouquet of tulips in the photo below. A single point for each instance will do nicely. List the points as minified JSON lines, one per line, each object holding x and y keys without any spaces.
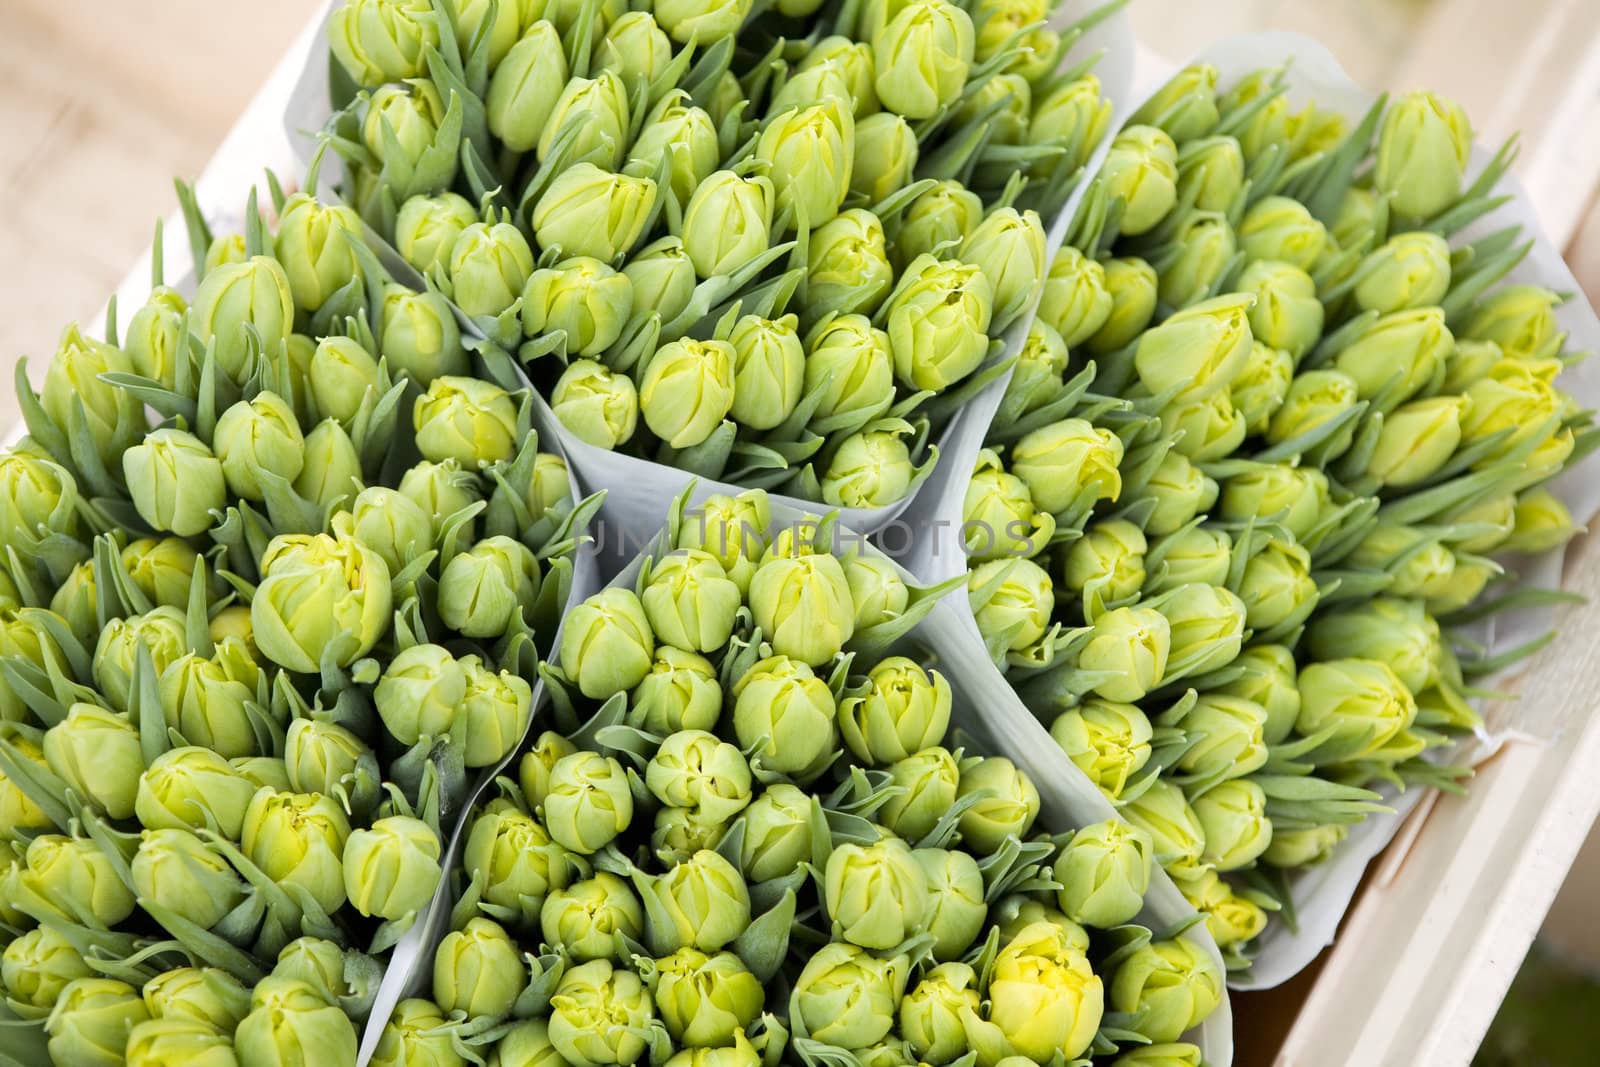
{"x":251,"y":652}
{"x":754,"y":837}
{"x":775,"y":248}
{"x":1239,"y":503}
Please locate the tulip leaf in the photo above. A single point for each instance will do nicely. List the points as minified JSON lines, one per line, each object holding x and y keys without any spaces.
{"x":765,"y":942}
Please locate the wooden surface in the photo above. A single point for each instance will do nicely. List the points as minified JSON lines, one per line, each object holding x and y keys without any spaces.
{"x":103,"y":102}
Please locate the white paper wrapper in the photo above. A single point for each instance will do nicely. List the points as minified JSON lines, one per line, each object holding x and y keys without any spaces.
{"x":988,"y":713}
{"x":1323,"y":894}
{"x":657,"y":485}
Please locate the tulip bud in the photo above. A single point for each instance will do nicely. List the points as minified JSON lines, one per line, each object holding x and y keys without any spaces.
{"x":91,"y":1019}
{"x":662,"y":279}
{"x":885,"y":156}
{"x":703,"y":20}
{"x":1008,"y":247}
{"x":1363,"y":702}
{"x":417,"y":1034}
{"x":588,"y":212}
{"x":1107,"y":561}
{"x":1019,"y":609}
{"x":847,"y":265}
{"x":1036,"y":378}
{"x":193,"y":788}
{"x":905,"y":709}
{"x":317,"y":588}
{"x":36,"y":967}
{"x":680,"y":693}
{"x":1008,"y":806}
{"x":489,"y":266}
{"x":938,"y":321}
{"x":1104,"y":872}
{"x":940,"y":218}
{"x":1423,"y":145}
{"x":1141,"y":170}
{"x":1076,"y":299}
{"x":803,"y":607}
{"x":255,"y":435}
{"x":1131,"y":646}
{"x":688,"y":388}
{"x":701,"y":902}
{"x":39,"y":498}
{"x":392,"y":525}
{"x":1170,"y":985}
{"x":116,"y":650}
{"x":314,"y":239}
{"x":922,"y":57}
{"x":1395,"y":631}
{"x":1521,"y":320}
{"x":419,"y":693}
{"x":686,"y":137}
{"x":426,"y":228}
{"x":869,"y":470}
{"x":693,"y":769}
{"x":298,"y":839}
{"x":205,"y":995}
{"x":256,"y":293}
{"x":876,"y":894}
{"x":1186,"y":106}
{"x":589,"y":802}
{"x":1411,"y":270}
{"x":585,"y":917}
{"x":1198,"y":351}
{"x":1277,"y":587}
{"x":1204,"y":249}
{"x":599,"y":406}
{"x":379,"y":41}
{"x":1266,"y":676}
{"x":582,"y":298}
{"x":705,"y":1000}
{"x":851,"y":360}
{"x":96,"y":752}
{"x":1261,"y":387}
{"x":207,"y":707}
{"x":517,"y":860}
{"x":75,"y":600}
{"x":1063,"y":461}
{"x":332,"y":472}
{"x":483,"y":590}
{"x":598,"y":108}
{"x":781,"y":706}
{"x":846,"y":997}
{"x":1282,"y":229}
{"x":1075,"y":114}
{"x":175,"y":869}
{"x":1511,"y":397}
{"x":1110,"y":743}
{"x":478,"y":970}
{"x":76,"y":880}
{"x":154,"y":334}
{"x":1131,"y":284}
{"x":1304,"y":847}
{"x":733,"y":529}
{"x":175,"y":481}
{"x":1044,"y":999}
{"x":1313,"y":398}
{"x":809,"y":153}
{"x":999,"y":518}
{"x":1406,"y":346}
{"x":679,"y":833}
{"x":1542,"y":523}
{"x":390,"y":870}
{"x":342,"y":375}
{"x":727,"y":222}
{"x":931,"y":1013}
{"x":1233,"y":817}
{"x":1287,"y":314}
{"x":1417,"y":439}
{"x":1211,"y":173}
{"x":494,"y":713}
{"x":1205,"y":430}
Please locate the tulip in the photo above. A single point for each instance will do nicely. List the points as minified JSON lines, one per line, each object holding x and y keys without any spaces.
{"x":1423,"y":145}
{"x":1017,"y":611}
{"x":426,"y":228}
{"x":489,"y":265}
{"x":1109,"y":742}
{"x":785,"y":712}
{"x":938,"y":321}
{"x":176,"y":482}
{"x":478,"y":970}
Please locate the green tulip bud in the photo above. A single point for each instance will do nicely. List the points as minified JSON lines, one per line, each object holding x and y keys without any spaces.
{"x":1131,"y":647}
{"x":1207,"y":627}
{"x":1204,"y":430}
{"x":1363,"y":702}
{"x":606,"y":643}
{"x":1411,"y":270}
{"x":420,"y":335}
{"x":733,"y":529}
{"x":175,"y":869}
{"x":1007,"y":806}
{"x":440,"y":490}
{"x":939,"y":219}
{"x":847,"y":265}
{"x":313,"y":241}
{"x":693,"y":769}
{"x":1423,"y":145}
{"x":1418,"y":565}
{"x":526,"y":1044}
{"x":36,"y":967}
{"x":585,"y":918}
{"x":255,"y":292}
{"x":379,"y":41}
{"x":472,"y":17}
{"x":809,"y":154}
{"x":904,"y":709}
{"x":314,"y":589}
{"x":727,"y":222}
{"x":115,"y":652}
{"x":91,"y":1019}
{"x":803,"y":607}
{"x":1170,"y":985}
{"x":1141,"y":170}
{"x":262,"y":772}
{"x":288,"y":1020}
{"x":533,"y":771}
{"x":1233,"y":817}
{"x":929,"y":781}
{"x":1064,"y":460}
{"x":1282,"y":229}
{"x":876,"y":895}
{"x":1512,"y":396}
{"x":1005,"y":103}
{"x":681,"y":692}
{"x":1313,"y":398}
{"x":922,"y":57}
{"x":419,"y":693}
{"x":494,"y":713}
{"x":342,"y":375}
{"x":75,"y":600}
{"x":999,"y":516}
{"x":885,"y":155}
{"x":1542,"y":522}
{"x":662,"y":278}
{"x":769,"y":370}
{"x":851,"y":361}
{"x":1306,"y":847}
{"x":1211,"y":173}
{"x":702,"y":902}
{"x":332,"y":472}
{"x":1044,"y":999}
{"x":1287,"y":314}
{"x":208,"y":708}
{"x":705,"y":1000}
{"x":1294,"y":497}
{"x":114,"y":418}
{"x":311,"y":961}
{"x":1395,"y":631}
{"x":688,"y":389}
{"x":154,"y":334}
{"x":938,"y":320}
{"x":206,"y":995}
{"x":77,"y":880}
{"x":298,"y":839}
{"x":175,"y":481}
{"x":588,"y":212}
{"x":489,"y":266}
{"x":1261,"y":386}
{"x":1108,"y":742}
{"x":39,"y":497}
{"x":391,"y":869}
{"x":96,"y":752}
{"x":1037,"y":377}
{"x":1205,"y":249}
{"x":417,"y":1034}
{"x":426,"y":228}
{"x":517,"y":859}
{"x":255,"y":435}
{"x":1104,"y":872}
{"x":193,"y":788}
{"x":846,"y":997}
{"x":583,"y":298}
{"x":391,"y":525}
{"x":599,"y":406}
{"x":679,"y":833}
{"x":1358,"y":223}
{"x":1230,"y":918}
{"x":1520,"y":319}
{"x":483,"y":590}
{"x":635,"y":48}
{"x":1198,"y":351}
{"x":1020,"y":609}
{"x":1405,"y":345}
{"x":1075,"y":114}
{"x":525,"y":86}
{"x":690,"y":20}
{"x":598,"y":107}
{"x":589,"y":802}
{"x":1417,"y":439}
{"x":1186,"y":106}
{"x":786,"y":713}
{"x":478,"y":970}
{"x":1266,"y":676}
{"x":1131,"y":284}
{"x":869,"y":469}
{"x":1008,"y":247}
{"x":931,"y":1014}
{"x":1277,"y":587}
